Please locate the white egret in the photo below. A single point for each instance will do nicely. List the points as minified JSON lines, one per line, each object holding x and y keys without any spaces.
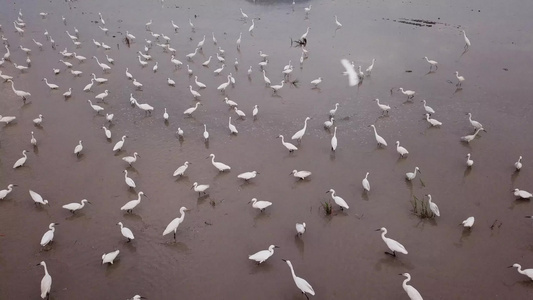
{"x":214,"y":39}
{"x":179,"y":133}
{"x":333,"y":111}
{"x":251,"y":27}
{"x":412,"y":175}
{"x":467,"y":40}
{"x":46,"y":282}
{"x":128,"y":180}
{"x":109,"y":117}
{"x":518,"y":164}
{"x":66,"y":63}
{"x":4,"y":193}
{"x":353,"y":77}
{"x":217,"y":71}
{"x":190,"y":110}
{"x":300,"y":133}
{"x":67,"y":93}
{"x":428,"y":109}
{"x":171,"y":82}
{"x":393,"y":245}
{"x":338,"y":200}
{"x":329,"y":123}
{"x":107,"y":132}
{"x":460,"y":79}
{"x":48,"y":236}
{"x":101,"y":18}
{"x":78,"y":149}
{"x":194,"y":93}
{"x":277,"y":87}
{"x":200,"y":188}
{"x":206,"y":134}
{"x":304,"y":36}
{"x":255,"y":111}
{"x":409,"y":289}
{"x":287,"y":145}
{"x":51,"y":85}
{"x":266,"y":79}
{"x":137,"y":297}
{"x":366,"y":183}
{"x":20,"y":162}
{"x":130,"y":205}
{"x":239,"y":112}
{"x":316,"y":82}
{"x":263,"y":255}
{"x":239,"y":42}
{"x":177,"y":63}
{"x":432,"y":63}
{"x":339,"y":25}
{"x":263,"y":64}
{"x":381,"y":141}
{"x":261,"y":205}
{"x":232,"y":128}
{"x":469,"y":138}
{"x":433,"y":207}
{"x":334,"y":140}
{"x":224,"y":85}
{"x":110,"y":257}
{"x":137,"y":84}
{"x":131,"y":159}
{"x":220,"y":166}
{"x":174,"y":224}
{"x":145,"y":106}
{"x":468,"y":223}
{"x":7,"y":119}
{"x":81,"y":58}
{"x":189,"y":71}
{"x":33,"y":141}
{"x":300,"y":228}
{"x":409,"y":93}
{"x":19,"y":93}
{"x":384,"y":108}
{"x":126,"y":232}
{"x":244,"y":16}
{"x":301,"y":174}
{"x":38,"y":199}
{"x":527,"y":272}
{"x":301,"y":283}
{"x":433,"y":122}
{"x":474,"y":123}
{"x":206,"y":63}
{"x":198,"y":83}
{"x":119,"y":144}
{"x":99,"y":79}
{"x":192,"y":54}
{"x":102,"y":65}
{"x":521,"y":194}
{"x":73,"y":207}
{"x":229,"y":102}
{"x":469,"y":162}
{"x":19,"y":67}
{"x":181,"y":170}
{"x":401,"y":150}
{"x":5,"y":77}
{"x":369,"y":69}
{"x":247,"y":175}
{"x":37,"y":121}
{"x":89,"y":86}
{"x":102,"y":96}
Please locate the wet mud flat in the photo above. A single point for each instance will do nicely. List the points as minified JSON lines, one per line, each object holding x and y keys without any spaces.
{"x":340,"y":255}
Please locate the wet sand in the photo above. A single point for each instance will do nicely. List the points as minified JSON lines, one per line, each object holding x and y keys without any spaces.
{"x":340,"y":255}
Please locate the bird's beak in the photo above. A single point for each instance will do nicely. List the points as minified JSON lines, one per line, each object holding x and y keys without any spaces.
{"x":89,"y":202}
{"x":207,"y":157}
{"x":15,"y":185}
{"x":56,"y":223}
{"x":192,"y":187}
{"x":283,"y":259}
{"x":529,"y":217}
{"x":257,"y":173}
{"x":419,"y":171}
{"x":276,"y":246}
{"x":145,"y":195}
{"x":378,"y":229}
{"x":38,"y":264}
{"x":400,"y":274}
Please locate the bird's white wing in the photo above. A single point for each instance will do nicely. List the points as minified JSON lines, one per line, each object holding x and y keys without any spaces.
{"x":353,"y":78}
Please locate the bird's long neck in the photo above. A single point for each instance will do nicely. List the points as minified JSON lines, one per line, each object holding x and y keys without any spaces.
{"x":292,"y":272}
{"x":139,"y":196}
{"x":415,"y":171}
{"x":519,"y":269}
{"x":13,"y":86}
{"x":383,"y":234}
{"x":405,"y":282}
{"x":45,"y":270}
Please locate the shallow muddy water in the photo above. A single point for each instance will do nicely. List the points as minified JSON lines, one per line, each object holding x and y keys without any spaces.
{"x":340,"y":255}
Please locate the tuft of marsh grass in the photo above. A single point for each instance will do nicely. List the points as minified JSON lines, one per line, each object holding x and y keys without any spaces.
{"x":328,"y":208}
{"x":421,"y":208}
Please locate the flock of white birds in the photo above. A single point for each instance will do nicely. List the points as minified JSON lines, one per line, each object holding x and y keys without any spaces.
{"x":73,"y":63}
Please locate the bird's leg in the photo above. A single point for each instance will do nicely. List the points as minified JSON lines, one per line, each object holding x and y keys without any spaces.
{"x":174,"y":236}
{"x":129,"y":240}
{"x":305,"y":295}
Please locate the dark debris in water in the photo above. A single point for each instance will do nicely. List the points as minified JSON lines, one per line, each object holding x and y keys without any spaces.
{"x":417,"y":22}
